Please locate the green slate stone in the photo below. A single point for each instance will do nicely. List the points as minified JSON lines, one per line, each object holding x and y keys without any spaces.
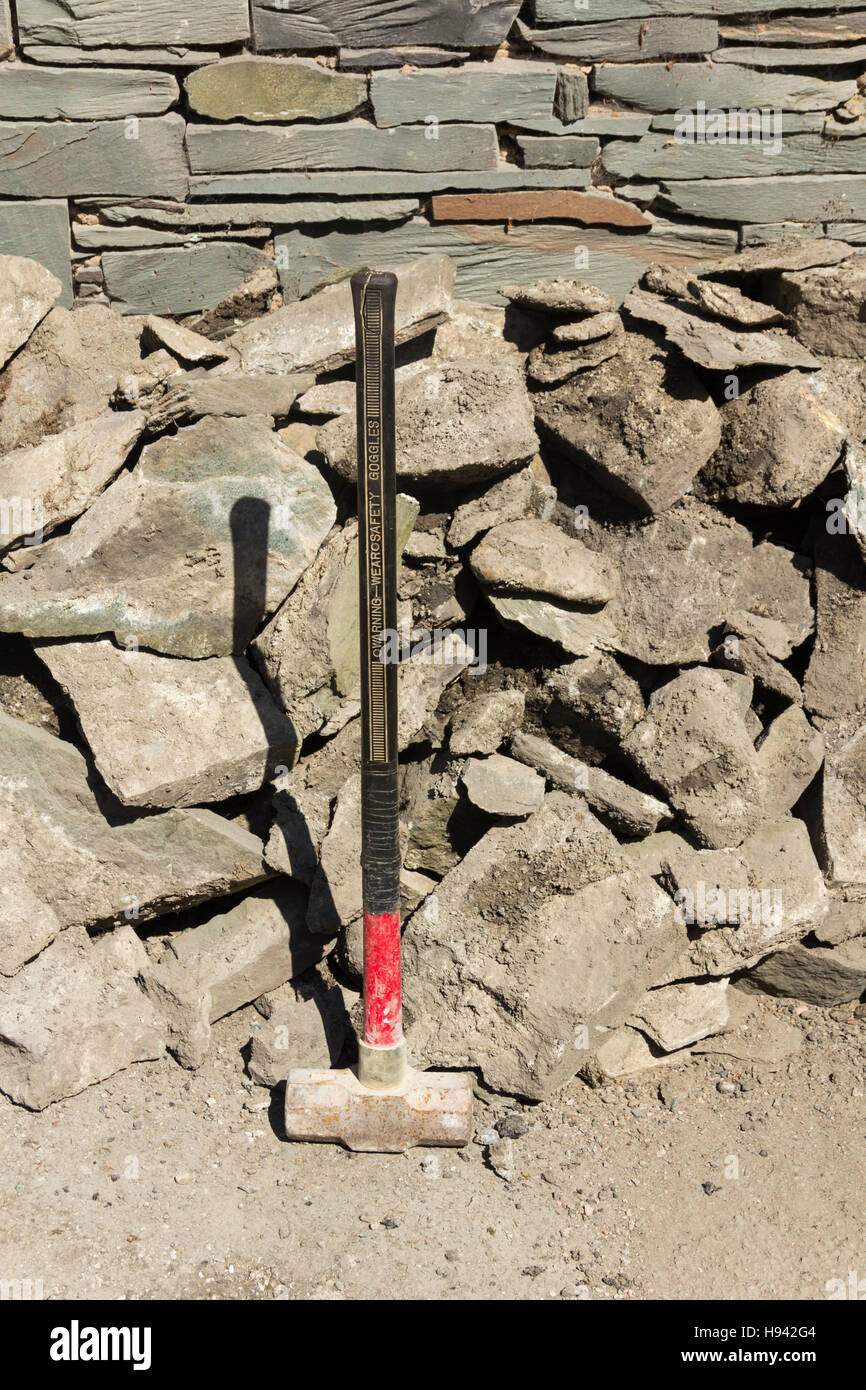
{"x":272,"y":89}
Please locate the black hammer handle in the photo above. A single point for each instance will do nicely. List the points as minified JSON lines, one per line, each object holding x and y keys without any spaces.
{"x":374,"y":294}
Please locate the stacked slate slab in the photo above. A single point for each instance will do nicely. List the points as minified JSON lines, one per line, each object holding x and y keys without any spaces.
{"x":155,"y":156}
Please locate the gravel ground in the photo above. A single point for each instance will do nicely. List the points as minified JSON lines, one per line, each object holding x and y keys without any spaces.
{"x":715,"y":1179}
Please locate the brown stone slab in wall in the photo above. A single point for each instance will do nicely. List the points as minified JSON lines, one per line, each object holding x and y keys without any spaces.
{"x":179,"y":280}
{"x":350,"y":145}
{"x":38,"y":228}
{"x":564,"y":11}
{"x":500,"y":91}
{"x":787,"y":198}
{"x":61,"y":159}
{"x":629,"y":40}
{"x":82,"y":94}
{"x":551,"y":205}
{"x":799,"y":29}
{"x":674,"y":86}
{"x":322,"y":24}
{"x":128,"y":23}
{"x":272,"y":89}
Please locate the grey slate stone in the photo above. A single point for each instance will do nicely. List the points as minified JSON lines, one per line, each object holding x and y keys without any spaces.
{"x":179,"y":280}
{"x":84,"y":94}
{"x":503,"y":177}
{"x":660,"y":87}
{"x":128,"y":23}
{"x":559,"y":11}
{"x":351,"y":145}
{"x":46,"y":159}
{"x":761,"y":56}
{"x":153,"y":559}
{"x":175,"y":57}
{"x":557,"y":151}
{"x":502,"y":91}
{"x":366,"y":58}
{"x":815,"y":197}
{"x":489,"y":256}
{"x":629,"y":40}
{"x":662,"y":156}
{"x":99,"y":238}
{"x":27,"y":291}
{"x":192,"y":216}
{"x":7,"y":40}
{"x":322,"y":24}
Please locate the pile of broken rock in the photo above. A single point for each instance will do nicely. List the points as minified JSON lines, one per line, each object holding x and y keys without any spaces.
{"x":633,"y":776}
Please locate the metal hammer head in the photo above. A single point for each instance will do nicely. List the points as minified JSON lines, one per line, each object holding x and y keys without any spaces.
{"x":332,"y":1107}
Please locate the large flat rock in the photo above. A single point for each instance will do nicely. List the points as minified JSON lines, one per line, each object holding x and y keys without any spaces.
{"x":60,"y":159}
{"x":718,"y":345}
{"x":180,"y":280}
{"x":642,"y":422}
{"x":541,"y":936}
{"x":128,"y":23}
{"x":355,"y":144}
{"x":272,"y":89}
{"x":679,"y":86}
{"x":27,"y":292}
{"x":82,"y":94}
{"x":504,"y":91}
{"x":319,"y":333}
{"x":322,"y":24}
{"x":75,"y":1017}
{"x":834,"y":685}
{"x":66,"y":865}
{"x":188,"y":553}
{"x":167,"y":732}
{"x":38,"y":230}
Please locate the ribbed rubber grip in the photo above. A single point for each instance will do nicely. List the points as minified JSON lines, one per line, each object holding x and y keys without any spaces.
{"x":374,"y":296}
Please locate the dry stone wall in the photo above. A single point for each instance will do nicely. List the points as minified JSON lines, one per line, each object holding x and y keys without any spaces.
{"x":165,"y":158}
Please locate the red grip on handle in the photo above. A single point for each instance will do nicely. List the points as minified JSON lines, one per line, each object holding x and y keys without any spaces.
{"x":383,"y":1014}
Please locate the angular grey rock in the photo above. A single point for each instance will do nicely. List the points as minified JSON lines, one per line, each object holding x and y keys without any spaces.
{"x":27,"y":292}
{"x":557,"y":151}
{"x":565,"y":297}
{"x":785,"y":255}
{"x":188,"y":347}
{"x":520,"y":494}
{"x":626,"y":40}
{"x":626,"y":1052}
{"x":150,"y":560}
{"x":75,"y":1017}
{"x":627,"y":810}
{"x":599,"y":692}
{"x":60,"y":159}
{"x":781,"y":437}
{"x":211,"y":970}
{"x":804,"y":197}
{"x":854,"y":462}
{"x":7,"y":38}
{"x":816,"y":974}
{"x":712,"y":297}
{"x":790,"y":753}
{"x":309,"y":652}
{"x":329,"y":398}
{"x":568,"y":626}
{"x":842,"y":825}
{"x":749,"y":656}
{"x":482,"y":725}
{"x":825,"y":304}
{"x":846,"y":917}
{"x":642,"y":422}
{"x":473,"y":92}
{"x":188,"y":396}
{"x":66,"y":473}
{"x":716,"y":345}
{"x":319,"y":333}
{"x":746,"y":901}
{"x":541,"y":933}
{"x":349,"y":145}
{"x":68,"y":372}
{"x":680,"y":86}
{"x":166,"y":732}
{"x":307,"y":1026}
{"x":677,"y":1015}
{"x":457,"y":423}
{"x":66,"y":865}
{"x":125,"y":24}
{"x":502,"y":787}
{"x":662,"y":618}
{"x":835,"y":681}
{"x":322,"y":24}
{"x":539,"y":558}
{"x":694,"y":744}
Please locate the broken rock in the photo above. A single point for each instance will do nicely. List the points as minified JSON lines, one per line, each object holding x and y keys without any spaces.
{"x":629,"y":811}
{"x":502,"y":787}
{"x":677,"y":1015}
{"x":75,"y":1017}
{"x":790,"y":753}
{"x":715,"y":345}
{"x":482,"y":725}
{"x":826,"y":306}
{"x":537,"y":557}
{"x":565,"y":297}
{"x":166,"y":732}
{"x":642,"y":423}
{"x":27,"y":292}
{"x":306,"y":1025}
{"x":816,"y":974}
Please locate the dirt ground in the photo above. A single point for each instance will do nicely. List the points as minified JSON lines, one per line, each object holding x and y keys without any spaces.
{"x":163,"y":1183}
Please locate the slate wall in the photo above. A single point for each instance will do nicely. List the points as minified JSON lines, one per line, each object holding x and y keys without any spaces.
{"x":158,"y":153}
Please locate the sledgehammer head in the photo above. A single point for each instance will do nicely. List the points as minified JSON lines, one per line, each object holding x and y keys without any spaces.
{"x":332,"y":1107}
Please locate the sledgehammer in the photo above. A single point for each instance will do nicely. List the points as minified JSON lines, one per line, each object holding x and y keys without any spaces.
{"x":382,"y":1106}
